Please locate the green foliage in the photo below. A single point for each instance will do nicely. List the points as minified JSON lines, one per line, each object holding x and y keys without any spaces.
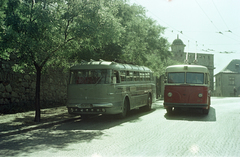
{"x":141,"y":43}
{"x":49,"y":31}
{"x":43,"y":33}
{"x":40,"y":31}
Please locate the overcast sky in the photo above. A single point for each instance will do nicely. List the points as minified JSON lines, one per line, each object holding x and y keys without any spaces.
{"x":212,"y":25}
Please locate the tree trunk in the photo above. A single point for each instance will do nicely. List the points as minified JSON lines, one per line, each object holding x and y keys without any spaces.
{"x":37,"y":94}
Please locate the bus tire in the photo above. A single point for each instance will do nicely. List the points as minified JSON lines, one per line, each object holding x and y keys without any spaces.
{"x":148,"y":106}
{"x":124,"y":110}
{"x":205,"y":111}
{"x":169,"y":110}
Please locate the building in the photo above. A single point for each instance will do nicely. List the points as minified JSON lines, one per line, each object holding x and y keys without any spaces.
{"x":204,"y":59}
{"x":228,"y":80}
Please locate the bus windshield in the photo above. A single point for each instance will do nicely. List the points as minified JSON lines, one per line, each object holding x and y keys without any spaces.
{"x":90,"y":76}
{"x":177,"y":77}
{"x":191,"y":77}
{"x":194,"y":78}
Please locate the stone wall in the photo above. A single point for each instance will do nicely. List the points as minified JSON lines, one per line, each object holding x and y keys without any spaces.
{"x":19,"y":88}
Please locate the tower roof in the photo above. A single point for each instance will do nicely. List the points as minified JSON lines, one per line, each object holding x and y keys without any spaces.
{"x":177,"y":41}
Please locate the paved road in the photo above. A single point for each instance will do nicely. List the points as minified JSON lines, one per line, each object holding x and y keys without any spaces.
{"x":155,"y":133}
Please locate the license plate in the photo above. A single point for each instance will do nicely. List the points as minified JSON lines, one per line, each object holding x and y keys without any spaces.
{"x":86,"y":105}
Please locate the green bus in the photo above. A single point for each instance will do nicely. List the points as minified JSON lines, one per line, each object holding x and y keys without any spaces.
{"x":104,"y":87}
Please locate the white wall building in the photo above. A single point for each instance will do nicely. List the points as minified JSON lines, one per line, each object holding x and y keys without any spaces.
{"x":228,"y":79}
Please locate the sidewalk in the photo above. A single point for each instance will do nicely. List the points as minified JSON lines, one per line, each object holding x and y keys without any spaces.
{"x":21,"y":122}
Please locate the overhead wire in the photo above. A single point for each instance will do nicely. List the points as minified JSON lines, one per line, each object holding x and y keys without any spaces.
{"x":221,"y":16}
{"x":218,"y":31}
{"x":171,"y":29}
{"x":228,"y":30}
{"x":208,"y":18}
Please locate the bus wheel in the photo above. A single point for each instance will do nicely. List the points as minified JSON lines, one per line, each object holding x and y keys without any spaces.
{"x":205,"y":111}
{"x":124,"y":110}
{"x":149,"y":104}
{"x":169,"y":110}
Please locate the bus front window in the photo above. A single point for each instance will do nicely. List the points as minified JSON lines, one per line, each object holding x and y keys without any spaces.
{"x":176,"y":77}
{"x":90,"y":76}
{"x":195,"y":78}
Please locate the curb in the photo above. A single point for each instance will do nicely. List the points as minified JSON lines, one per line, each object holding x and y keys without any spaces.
{"x":34,"y":127}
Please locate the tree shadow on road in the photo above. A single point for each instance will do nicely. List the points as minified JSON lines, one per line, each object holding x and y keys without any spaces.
{"x":60,"y":136}
{"x":43,"y":139}
{"x":103,"y":122}
{"x":192,"y":115}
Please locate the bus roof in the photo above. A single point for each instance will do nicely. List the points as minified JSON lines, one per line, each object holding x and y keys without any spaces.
{"x":187,"y":68}
{"x":109,"y":65}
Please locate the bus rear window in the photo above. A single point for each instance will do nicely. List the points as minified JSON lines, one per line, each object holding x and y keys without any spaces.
{"x":90,"y":76}
{"x":176,"y":77}
{"x":195,"y":78}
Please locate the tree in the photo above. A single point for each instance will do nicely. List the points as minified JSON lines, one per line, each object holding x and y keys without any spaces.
{"x":142,"y":42}
{"x":141,"y":37}
{"x":38,"y":31}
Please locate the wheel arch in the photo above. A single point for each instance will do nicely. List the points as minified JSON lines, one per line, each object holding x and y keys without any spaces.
{"x":126,"y":98}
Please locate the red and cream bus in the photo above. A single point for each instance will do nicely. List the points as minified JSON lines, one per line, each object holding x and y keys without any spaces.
{"x":187,"y":86}
{"x":103,"y":87}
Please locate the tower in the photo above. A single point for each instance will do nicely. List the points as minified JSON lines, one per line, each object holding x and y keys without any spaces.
{"x":177,"y":47}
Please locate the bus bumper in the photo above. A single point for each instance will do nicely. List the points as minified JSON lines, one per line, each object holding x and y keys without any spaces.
{"x":185,"y":105}
{"x":105,"y":108}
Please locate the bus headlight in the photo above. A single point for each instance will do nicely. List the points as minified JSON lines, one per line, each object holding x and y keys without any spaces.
{"x":200,"y":95}
{"x":169,"y":94}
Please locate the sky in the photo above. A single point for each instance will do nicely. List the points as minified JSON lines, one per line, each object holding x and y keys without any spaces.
{"x":204,"y":26}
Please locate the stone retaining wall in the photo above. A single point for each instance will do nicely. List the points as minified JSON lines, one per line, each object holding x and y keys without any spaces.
{"x":20,"y":87}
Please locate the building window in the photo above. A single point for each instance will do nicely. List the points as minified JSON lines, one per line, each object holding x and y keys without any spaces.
{"x":231,"y":80}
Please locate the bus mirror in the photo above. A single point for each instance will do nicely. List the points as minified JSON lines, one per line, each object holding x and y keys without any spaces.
{"x":114,"y":80}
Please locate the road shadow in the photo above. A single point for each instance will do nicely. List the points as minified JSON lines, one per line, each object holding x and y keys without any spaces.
{"x":102,"y":122}
{"x":60,"y":136}
{"x":18,"y":123}
{"x":192,"y":115}
{"x":43,"y":139}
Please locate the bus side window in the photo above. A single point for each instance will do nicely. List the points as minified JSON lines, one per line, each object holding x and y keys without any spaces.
{"x":136,"y":76}
{"x":129,"y":76}
{"x":147,"y":76}
{"x":73,"y":78}
{"x":122,"y":75}
{"x":206,"y":78}
{"x":116,"y":74}
{"x":141,"y":76}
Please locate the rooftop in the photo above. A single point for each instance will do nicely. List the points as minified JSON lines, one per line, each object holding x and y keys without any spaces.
{"x":232,"y":67}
